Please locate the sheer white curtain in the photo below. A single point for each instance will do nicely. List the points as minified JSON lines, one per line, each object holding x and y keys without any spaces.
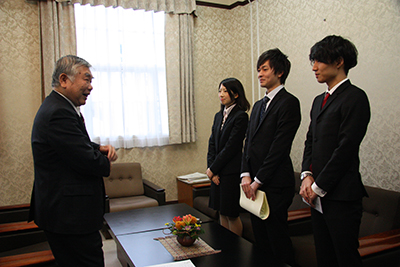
{"x":128,"y":105}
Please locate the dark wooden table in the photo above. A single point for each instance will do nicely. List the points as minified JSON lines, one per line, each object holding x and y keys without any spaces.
{"x":148,"y":219}
{"x":136,"y":245}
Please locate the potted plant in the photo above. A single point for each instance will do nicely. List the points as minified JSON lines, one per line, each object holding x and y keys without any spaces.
{"x":186,"y":228}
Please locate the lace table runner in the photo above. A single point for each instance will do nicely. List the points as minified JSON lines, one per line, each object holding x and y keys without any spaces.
{"x":179,"y":252}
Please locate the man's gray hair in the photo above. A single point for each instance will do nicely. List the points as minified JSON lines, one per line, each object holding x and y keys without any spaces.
{"x":69,"y":65}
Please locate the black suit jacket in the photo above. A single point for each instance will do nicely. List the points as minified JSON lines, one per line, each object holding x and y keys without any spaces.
{"x":68,"y":192}
{"x":333,"y":142}
{"x":225,"y":146}
{"x":268,"y":144}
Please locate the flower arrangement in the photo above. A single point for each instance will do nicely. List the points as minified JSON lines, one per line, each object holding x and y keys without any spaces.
{"x":187,"y":225}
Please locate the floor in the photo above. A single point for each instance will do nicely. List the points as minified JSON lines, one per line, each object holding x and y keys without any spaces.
{"x":110,"y":253}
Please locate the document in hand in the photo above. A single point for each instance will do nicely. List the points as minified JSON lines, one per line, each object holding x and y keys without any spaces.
{"x":258,"y":207}
{"x":317,"y":204}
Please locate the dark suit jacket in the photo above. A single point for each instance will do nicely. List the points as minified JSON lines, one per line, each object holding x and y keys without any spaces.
{"x":267,"y":148}
{"x":333,"y":142}
{"x":225,"y":146}
{"x":68,"y":192}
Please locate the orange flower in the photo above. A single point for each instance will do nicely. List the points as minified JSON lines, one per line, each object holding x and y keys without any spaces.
{"x":186,"y":218}
{"x":189,"y":219}
{"x":193,"y":220}
{"x":179,"y":225}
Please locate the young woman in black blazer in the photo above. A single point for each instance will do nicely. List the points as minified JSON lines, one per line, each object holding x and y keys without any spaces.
{"x":225,"y":153}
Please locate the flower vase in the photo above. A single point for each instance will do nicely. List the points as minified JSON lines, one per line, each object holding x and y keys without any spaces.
{"x":185,"y":241}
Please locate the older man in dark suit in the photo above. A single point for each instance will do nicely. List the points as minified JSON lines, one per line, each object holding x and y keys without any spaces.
{"x":330,"y":169}
{"x":68,"y":194}
{"x":266,"y":163}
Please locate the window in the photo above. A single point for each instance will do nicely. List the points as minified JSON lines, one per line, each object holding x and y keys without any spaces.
{"x":128,"y":106}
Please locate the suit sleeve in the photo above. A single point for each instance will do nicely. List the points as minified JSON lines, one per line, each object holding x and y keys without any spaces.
{"x":211,"y":144}
{"x":287,"y":125}
{"x":355,"y":116}
{"x":234,"y":144}
{"x":74,"y":146}
{"x":245,"y":166}
{"x":307,"y":155}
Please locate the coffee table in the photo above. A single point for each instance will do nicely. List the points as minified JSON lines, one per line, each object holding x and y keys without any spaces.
{"x":136,"y":245}
{"x":147,"y":219}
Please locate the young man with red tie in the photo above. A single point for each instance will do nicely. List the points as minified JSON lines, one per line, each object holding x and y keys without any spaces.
{"x":330,"y":168}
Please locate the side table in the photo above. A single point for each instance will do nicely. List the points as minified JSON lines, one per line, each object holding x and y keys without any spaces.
{"x":185,"y":191}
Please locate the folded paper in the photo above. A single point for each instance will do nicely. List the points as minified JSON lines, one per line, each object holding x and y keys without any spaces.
{"x":259,"y":207}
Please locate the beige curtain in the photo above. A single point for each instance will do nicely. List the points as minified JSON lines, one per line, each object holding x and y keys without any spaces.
{"x":58,"y":38}
{"x":179,"y":58}
{"x":168,"y":6}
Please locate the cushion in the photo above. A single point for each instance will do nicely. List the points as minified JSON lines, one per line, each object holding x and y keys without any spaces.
{"x":125,"y":180}
{"x":129,"y":203}
{"x":381,"y":211}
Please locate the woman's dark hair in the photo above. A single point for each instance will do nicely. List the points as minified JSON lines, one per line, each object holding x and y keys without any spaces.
{"x":278,"y":61}
{"x":234,"y":86}
{"x":332,"y":48}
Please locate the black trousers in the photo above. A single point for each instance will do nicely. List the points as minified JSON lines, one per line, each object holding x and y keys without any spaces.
{"x":272,"y":234}
{"x":77,"y":250}
{"x":336,"y":233}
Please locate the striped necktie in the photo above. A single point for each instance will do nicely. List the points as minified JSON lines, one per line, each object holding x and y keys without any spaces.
{"x":263,"y":107}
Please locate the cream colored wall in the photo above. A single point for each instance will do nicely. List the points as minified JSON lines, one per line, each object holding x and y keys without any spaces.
{"x":374,"y":27}
{"x":222,"y":49}
{"x":19,"y":97}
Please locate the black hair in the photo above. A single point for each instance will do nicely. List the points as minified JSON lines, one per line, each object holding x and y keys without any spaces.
{"x":332,"y":48}
{"x":278,"y":61}
{"x":234,"y":86}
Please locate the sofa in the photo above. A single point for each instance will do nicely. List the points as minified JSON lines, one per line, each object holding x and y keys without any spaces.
{"x":379,"y":235}
{"x":126,"y":189}
{"x":22,"y":243}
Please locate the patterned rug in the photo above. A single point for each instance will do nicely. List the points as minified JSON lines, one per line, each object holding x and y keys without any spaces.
{"x":179,"y":252}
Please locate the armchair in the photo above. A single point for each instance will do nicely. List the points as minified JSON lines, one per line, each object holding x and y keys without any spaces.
{"x":127,"y":190}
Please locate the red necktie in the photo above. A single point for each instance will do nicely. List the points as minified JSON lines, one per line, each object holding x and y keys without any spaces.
{"x":326,"y":98}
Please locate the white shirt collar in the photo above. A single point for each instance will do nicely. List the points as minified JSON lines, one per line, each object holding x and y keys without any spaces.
{"x":336,"y":86}
{"x":274,"y":92}
{"x":77,"y":109}
{"x":228,"y":110}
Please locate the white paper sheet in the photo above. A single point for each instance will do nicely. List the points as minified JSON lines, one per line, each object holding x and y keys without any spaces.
{"x":185,"y":263}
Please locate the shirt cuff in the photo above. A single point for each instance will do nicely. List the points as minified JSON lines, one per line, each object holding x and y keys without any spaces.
{"x":319,"y":191}
{"x":257,"y":181}
{"x":244,"y":174}
{"x":248,"y":174}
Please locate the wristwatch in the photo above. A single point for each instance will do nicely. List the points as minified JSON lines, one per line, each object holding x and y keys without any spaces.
{"x":305,"y":174}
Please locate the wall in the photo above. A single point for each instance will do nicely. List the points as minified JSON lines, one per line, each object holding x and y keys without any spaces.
{"x":374,"y":27}
{"x":222,"y":49}
{"x":19,"y":97}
